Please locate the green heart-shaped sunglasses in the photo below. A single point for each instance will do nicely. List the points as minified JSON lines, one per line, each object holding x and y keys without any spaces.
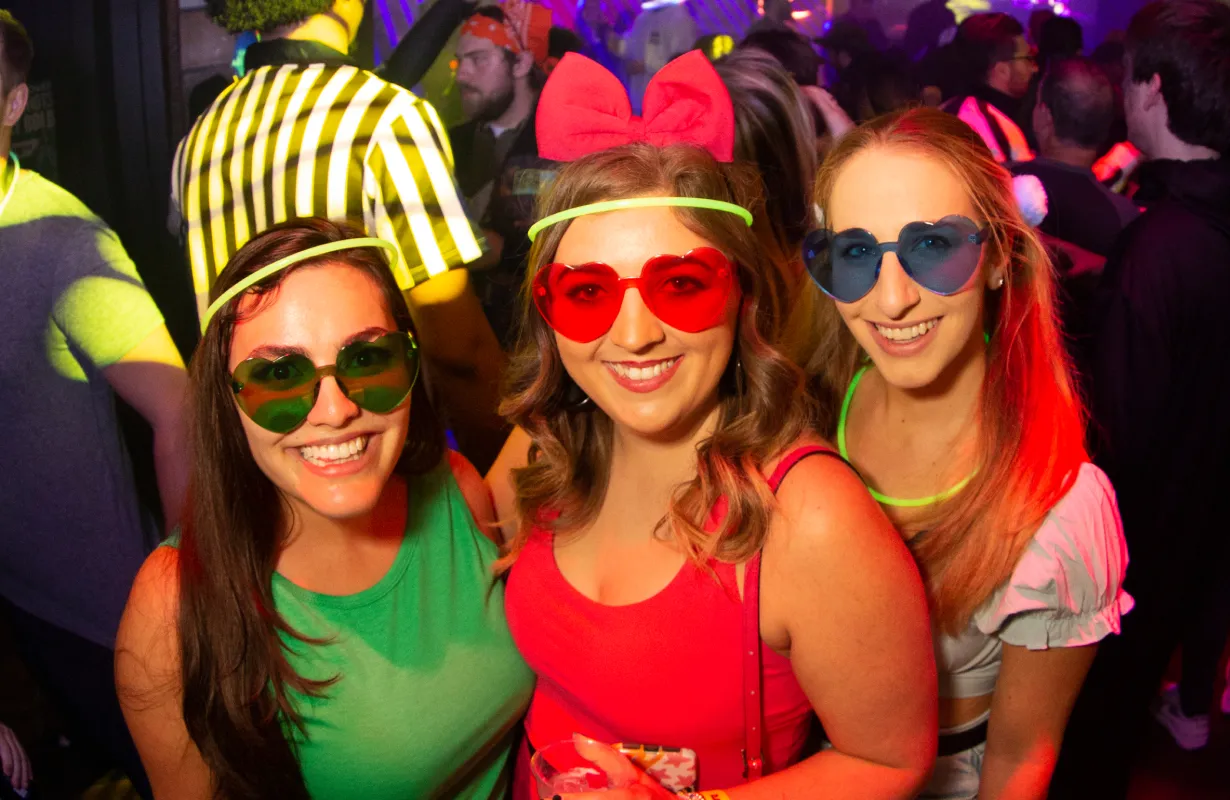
{"x":278,"y":395}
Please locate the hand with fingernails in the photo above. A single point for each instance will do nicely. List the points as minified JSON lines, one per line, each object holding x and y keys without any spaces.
{"x":13,"y":760}
{"x":631,"y":782}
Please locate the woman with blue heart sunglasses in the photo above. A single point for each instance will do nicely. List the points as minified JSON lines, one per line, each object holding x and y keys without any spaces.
{"x":939,"y":256}
{"x":961,"y":415}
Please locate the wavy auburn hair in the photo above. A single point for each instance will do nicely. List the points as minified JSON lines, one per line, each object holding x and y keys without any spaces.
{"x":1030,"y":420}
{"x":565,"y":482}
{"x":238,"y":684}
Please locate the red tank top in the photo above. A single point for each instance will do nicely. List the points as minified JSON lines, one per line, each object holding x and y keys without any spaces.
{"x":666,"y":671}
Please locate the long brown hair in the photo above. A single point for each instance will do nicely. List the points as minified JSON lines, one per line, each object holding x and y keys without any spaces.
{"x":565,"y":482}
{"x":237,"y":680}
{"x":1030,"y":421}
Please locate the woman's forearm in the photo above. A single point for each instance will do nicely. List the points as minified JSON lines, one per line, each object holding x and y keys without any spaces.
{"x":1025,"y":776}
{"x":832,"y":775}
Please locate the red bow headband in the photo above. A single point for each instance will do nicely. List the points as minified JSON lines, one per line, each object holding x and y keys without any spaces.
{"x":584,"y":109}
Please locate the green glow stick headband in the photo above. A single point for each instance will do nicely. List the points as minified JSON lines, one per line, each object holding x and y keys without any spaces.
{"x":283,"y":263}
{"x":639,"y":202}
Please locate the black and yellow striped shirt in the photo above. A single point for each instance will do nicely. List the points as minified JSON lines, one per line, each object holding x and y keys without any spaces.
{"x":320,"y":139}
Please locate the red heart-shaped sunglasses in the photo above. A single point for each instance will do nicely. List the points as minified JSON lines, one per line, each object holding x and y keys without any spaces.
{"x":688,"y":292}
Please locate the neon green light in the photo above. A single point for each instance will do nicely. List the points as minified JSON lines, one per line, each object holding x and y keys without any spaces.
{"x":281,"y":264}
{"x":639,"y":202}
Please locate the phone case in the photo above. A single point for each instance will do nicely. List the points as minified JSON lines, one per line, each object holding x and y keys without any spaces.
{"x":673,"y":767}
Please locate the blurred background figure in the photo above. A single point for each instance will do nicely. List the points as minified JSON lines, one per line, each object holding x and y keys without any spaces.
{"x":80,"y":331}
{"x":1037,"y":20}
{"x":999,"y":65}
{"x":1072,"y":118}
{"x":777,"y":17}
{"x":604,"y":41}
{"x":503,"y":56}
{"x":1184,"y":707}
{"x":865,"y":14}
{"x":1158,"y":394}
{"x":665,"y":29}
{"x":928,"y":24}
{"x":1058,"y":38}
{"x":878,"y":83}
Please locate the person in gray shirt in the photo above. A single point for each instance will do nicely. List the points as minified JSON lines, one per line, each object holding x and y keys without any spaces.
{"x":79,"y":329}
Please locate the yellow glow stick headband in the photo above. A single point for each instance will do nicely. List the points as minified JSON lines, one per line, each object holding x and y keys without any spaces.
{"x":639,"y":202}
{"x":283,"y":263}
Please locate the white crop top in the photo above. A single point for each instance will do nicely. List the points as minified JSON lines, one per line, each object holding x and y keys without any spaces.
{"x":1066,"y":591}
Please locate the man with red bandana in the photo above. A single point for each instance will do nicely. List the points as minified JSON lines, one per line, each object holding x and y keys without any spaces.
{"x":503,"y":56}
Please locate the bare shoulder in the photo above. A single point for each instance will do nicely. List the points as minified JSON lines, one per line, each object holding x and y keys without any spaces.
{"x":476,"y":494}
{"x":514,"y":455}
{"x":149,"y":683}
{"x":155,"y":591}
{"x":822,"y":488}
{"x":147,"y":644}
{"x":829,"y":522}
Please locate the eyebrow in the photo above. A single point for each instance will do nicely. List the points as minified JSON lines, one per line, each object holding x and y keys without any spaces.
{"x":273,"y":352}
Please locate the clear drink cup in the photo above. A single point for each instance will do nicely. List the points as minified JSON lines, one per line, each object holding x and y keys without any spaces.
{"x":559,"y":769}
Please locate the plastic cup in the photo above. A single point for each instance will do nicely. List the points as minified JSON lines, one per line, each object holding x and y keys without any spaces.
{"x":559,"y":769}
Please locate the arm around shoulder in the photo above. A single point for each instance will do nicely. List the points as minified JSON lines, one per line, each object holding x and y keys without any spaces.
{"x":147,"y":677}
{"x":514,"y":455}
{"x":841,"y":583}
{"x":476,"y":494}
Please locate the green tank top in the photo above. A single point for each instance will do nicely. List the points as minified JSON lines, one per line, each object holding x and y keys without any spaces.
{"x":431,"y":686}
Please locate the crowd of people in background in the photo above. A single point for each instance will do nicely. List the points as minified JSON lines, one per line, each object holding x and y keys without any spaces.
{"x":907,"y":343}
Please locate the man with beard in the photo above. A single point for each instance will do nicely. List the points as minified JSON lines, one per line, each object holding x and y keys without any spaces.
{"x":502,"y":57}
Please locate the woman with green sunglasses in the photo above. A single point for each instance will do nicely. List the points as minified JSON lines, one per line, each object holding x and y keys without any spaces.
{"x":326,"y":623}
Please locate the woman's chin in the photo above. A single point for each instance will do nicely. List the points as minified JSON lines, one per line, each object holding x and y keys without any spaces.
{"x":342,"y":501}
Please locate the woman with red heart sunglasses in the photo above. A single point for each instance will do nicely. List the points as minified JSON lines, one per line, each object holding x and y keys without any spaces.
{"x":664,"y":465}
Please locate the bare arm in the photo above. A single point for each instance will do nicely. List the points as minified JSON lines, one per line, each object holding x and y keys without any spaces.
{"x":151,"y":379}
{"x":477,"y":495}
{"x":840,"y":586}
{"x":466,"y":362}
{"x":1033,"y":698}
{"x":514,"y":454}
{"x":147,"y":680}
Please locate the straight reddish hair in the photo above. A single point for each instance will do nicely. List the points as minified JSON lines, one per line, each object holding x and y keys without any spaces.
{"x":1030,"y":421}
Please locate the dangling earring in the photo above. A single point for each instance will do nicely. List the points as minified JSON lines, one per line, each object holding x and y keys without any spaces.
{"x":732,"y":382}
{"x":999,"y":283}
{"x":575,"y":397}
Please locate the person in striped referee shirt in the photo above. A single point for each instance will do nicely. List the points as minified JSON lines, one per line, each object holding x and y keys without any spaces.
{"x":306,"y":133}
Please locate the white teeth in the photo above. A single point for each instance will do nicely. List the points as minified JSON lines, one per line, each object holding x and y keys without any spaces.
{"x":907,"y":334}
{"x":327,"y":454}
{"x":642,"y":373}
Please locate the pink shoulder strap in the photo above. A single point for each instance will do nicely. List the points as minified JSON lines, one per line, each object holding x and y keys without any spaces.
{"x":753,"y":699}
